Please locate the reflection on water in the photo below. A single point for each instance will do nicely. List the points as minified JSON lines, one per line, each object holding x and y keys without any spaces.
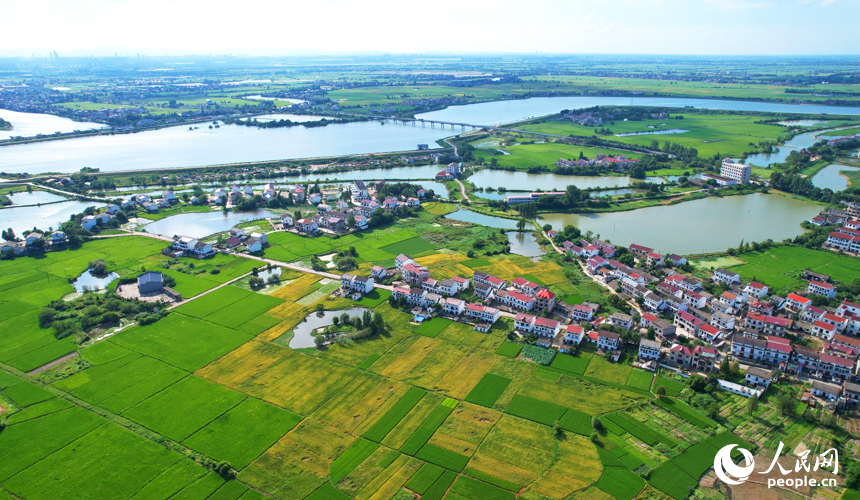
{"x":303,"y":331}
{"x":524,"y":244}
{"x":199,"y":225}
{"x":88,"y":281}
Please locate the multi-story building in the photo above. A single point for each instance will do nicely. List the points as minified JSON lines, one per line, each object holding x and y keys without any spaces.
{"x":649,"y":349}
{"x":482,"y":313}
{"x":733,"y":169}
{"x":820,"y":288}
{"x":608,"y":341}
{"x":769,"y":325}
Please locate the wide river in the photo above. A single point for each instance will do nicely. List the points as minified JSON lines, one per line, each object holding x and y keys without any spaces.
{"x":33,"y":124}
{"x":179,"y":147}
{"x":708,"y":225}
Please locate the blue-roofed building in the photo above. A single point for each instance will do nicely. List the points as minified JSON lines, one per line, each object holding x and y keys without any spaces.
{"x":150,"y":281}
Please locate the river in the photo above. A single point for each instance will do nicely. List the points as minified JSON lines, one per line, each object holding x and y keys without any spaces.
{"x":179,"y":147}
{"x":33,"y":124}
{"x":500,"y":112}
{"x":708,"y":225}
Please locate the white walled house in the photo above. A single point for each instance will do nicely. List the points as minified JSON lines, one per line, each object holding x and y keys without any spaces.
{"x":823,"y":289}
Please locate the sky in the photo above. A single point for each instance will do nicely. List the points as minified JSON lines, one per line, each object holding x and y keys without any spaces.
{"x":278,"y":27}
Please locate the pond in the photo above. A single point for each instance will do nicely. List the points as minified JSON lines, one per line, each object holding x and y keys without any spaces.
{"x":33,"y":124}
{"x":484,"y":220}
{"x":654,"y":132}
{"x":830,"y":177}
{"x":524,"y":244}
{"x":199,"y":225}
{"x":302,"y":333}
{"x":89,"y":281}
{"x":44,"y":217}
{"x":35,"y":197}
{"x":547,"y":181}
{"x":708,"y":225}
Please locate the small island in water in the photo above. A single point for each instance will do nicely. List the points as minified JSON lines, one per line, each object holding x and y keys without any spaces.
{"x":4,"y":125}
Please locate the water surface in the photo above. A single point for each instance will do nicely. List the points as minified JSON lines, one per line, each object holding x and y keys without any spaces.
{"x":202,"y":224}
{"x":302,"y":332}
{"x":89,"y":281}
{"x":44,"y":217}
{"x":830,"y":177}
{"x":33,"y":124}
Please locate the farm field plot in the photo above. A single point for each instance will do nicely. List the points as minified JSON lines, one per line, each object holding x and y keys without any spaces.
{"x":182,"y":341}
{"x":535,"y":410}
{"x":243,"y":433}
{"x":410,"y":423}
{"x":673,"y":387}
{"x":184,"y":407}
{"x":465,"y":374}
{"x":488,"y":390}
{"x":620,"y":483}
{"x":671,"y":480}
{"x":299,"y":462}
{"x":243,"y":363}
{"x":394,"y":415}
{"x":25,"y":394}
{"x":243,"y":310}
{"x":301,"y":383}
{"x":466,"y":487}
{"x":576,"y":467}
{"x":514,"y":453}
{"x":428,"y":426}
{"x":639,"y":430}
{"x":35,"y":439}
{"x":112,"y":463}
{"x":780,"y":267}
{"x":412,"y":246}
{"x":640,"y":379}
{"x":509,"y":349}
{"x":299,"y":245}
{"x":52,"y":405}
{"x":686,"y":412}
{"x":464,"y":429}
{"x":575,"y":364}
{"x":432,"y":327}
{"x":213,"y":302}
{"x":578,"y":394}
{"x":615,"y":373}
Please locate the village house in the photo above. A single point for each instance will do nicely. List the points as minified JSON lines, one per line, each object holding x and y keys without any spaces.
{"x":639,"y":252}
{"x":649,"y":349}
{"x":796,"y":303}
{"x":358,"y":284}
{"x":821,"y":288}
{"x":481,"y":313}
{"x":825,"y":390}
{"x":608,"y":341}
{"x":756,"y":290}
{"x":728,"y":277}
{"x":307,"y":226}
{"x":622,"y":320}
{"x":454,"y":307}
{"x":759,"y":377}
{"x":709,"y":334}
{"x":581,"y":313}
{"x":486,"y":279}
{"x":764,"y":349}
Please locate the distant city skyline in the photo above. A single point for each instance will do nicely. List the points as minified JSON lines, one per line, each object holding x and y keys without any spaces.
{"x":260,"y":27}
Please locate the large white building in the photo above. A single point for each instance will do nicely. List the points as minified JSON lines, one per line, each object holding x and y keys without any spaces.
{"x":733,"y":169}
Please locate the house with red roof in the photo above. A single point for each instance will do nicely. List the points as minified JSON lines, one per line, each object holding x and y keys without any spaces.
{"x":756,"y":290}
{"x":823,"y":289}
{"x":796,"y":303}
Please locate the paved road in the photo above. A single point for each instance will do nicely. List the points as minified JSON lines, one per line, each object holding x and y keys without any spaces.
{"x":67,"y":193}
{"x":600,"y":282}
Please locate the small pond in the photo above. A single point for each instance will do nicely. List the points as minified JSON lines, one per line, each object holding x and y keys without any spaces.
{"x":831,"y":177}
{"x":202,"y":224}
{"x":302,"y":333}
{"x":524,"y":244}
{"x":89,"y":281}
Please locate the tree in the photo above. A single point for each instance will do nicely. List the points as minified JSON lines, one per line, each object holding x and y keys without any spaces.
{"x":596,"y":424}
{"x":785,"y":403}
{"x":752,"y":404}
{"x":661,"y":391}
{"x":350,"y":221}
{"x":627,"y":260}
{"x":320,"y":307}
{"x":557,"y":430}
{"x":521,"y":224}
{"x":725,"y":366}
{"x":225,"y":470}
{"x":319,"y":341}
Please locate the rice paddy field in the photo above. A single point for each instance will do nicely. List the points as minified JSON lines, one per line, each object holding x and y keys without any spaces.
{"x":433,"y":410}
